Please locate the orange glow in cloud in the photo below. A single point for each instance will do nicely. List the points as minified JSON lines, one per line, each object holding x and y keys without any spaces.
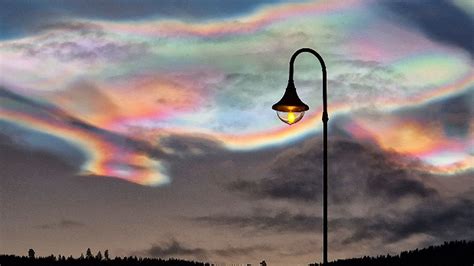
{"x":153,"y":97}
{"x":417,"y":140}
{"x":407,"y":138}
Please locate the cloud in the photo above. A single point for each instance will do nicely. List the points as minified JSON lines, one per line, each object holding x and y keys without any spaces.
{"x":242,"y":251}
{"x":75,"y":40}
{"x":79,"y":46}
{"x":440,"y":20}
{"x":80,"y":27}
{"x":56,"y":121}
{"x":187,"y":145}
{"x":22,"y":17}
{"x":16,"y":98}
{"x":63,"y":224}
{"x":17,"y":139}
{"x":282,"y":221}
{"x":356,"y":172}
{"x":376,"y":196}
{"x":440,"y":220}
{"x":55,"y":115}
{"x":454,"y":114}
{"x":175,"y":248}
{"x":87,"y":101}
{"x":366,"y":80}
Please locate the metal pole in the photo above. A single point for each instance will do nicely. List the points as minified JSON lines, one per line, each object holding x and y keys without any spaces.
{"x":325,"y":119}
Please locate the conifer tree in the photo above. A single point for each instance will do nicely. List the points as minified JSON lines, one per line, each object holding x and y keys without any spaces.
{"x":89,"y":254}
{"x":98,"y":256}
{"x":31,"y":253}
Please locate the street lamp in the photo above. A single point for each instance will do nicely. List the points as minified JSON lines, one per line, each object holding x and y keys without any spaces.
{"x":290,"y":109}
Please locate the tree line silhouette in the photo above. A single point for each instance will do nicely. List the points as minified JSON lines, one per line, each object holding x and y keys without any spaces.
{"x":455,"y":253}
{"x":90,"y":259}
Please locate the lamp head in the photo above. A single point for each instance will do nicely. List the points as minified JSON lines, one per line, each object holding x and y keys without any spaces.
{"x":290,"y":109}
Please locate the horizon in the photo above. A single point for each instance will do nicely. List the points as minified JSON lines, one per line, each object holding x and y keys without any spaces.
{"x":453,"y":252}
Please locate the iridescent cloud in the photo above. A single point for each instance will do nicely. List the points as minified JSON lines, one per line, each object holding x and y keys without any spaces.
{"x":154,"y":77}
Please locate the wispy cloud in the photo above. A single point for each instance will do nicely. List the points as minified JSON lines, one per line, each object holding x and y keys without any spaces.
{"x":267,"y":221}
{"x":440,"y":220}
{"x":63,"y":224}
{"x":176,"y":248}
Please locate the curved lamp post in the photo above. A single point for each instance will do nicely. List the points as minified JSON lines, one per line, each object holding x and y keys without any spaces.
{"x":290,"y":109}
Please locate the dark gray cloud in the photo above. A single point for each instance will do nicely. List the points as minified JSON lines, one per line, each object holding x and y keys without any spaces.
{"x":258,"y":221}
{"x":440,"y":20}
{"x":174,"y":248}
{"x":401,"y":199}
{"x":190,"y":146}
{"x":356,"y":171}
{"x":63,"y":224}
{"x":441,"y":220}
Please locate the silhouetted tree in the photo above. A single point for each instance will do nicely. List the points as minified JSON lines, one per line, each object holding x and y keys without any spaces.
{"x":263,"y":263}
{"x":98,"y":256}
{"x":106,"y":254}
{"x":89,"y":254}
{"x":31,"y":253}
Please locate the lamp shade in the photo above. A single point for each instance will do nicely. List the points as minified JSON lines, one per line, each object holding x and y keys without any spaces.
{"x":290,"y":102}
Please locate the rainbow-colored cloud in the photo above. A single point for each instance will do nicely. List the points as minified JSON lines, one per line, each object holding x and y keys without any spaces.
{"x":110,"y":82}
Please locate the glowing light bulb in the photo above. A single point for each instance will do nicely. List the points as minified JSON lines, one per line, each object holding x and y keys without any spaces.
{"x":290,"y":117}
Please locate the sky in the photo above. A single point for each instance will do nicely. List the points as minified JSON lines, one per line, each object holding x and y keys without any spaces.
{"x":145,"y":128}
